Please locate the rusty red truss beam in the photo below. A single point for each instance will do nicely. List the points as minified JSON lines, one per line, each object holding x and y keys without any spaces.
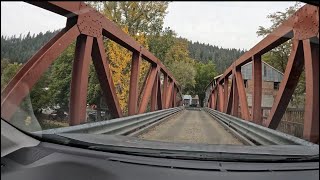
{"x":91,"y":25}
{"x":159,"y":95}
{"x":230,"y":98}
{"x":101,"y":64}
{"x":293,"y":27}
{"x":169,"y":94}
{"x":165,"y":90}
{"x":303,"y":25}
{"x":288,"y":84}
{"x":154,"y":94}
{"x":235,"y":97}
{"x":225,"y":94}
{"x":21,"y":84}
{"x":99,"y":25}
{"x":144,"y":85}
{"x":215,"y":100}
{"x":220,"y":98}
{"x":79,"y":81}
{"x":147,"y":89}
{"x":257,"y":90}
{"x":67,"y":9}
{"x":209,"y":101}
{"x":134,"y":79}
{"x":242,"y":95}
{"x":311,"y":114}
{"x":174,"y":100}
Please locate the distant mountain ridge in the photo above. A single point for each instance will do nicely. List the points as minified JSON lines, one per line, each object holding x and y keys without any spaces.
{"x":20,"y":49}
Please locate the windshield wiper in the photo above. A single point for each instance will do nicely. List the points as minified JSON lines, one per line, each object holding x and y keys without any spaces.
{"x":210,"y":156}
{"x":178,"y":154}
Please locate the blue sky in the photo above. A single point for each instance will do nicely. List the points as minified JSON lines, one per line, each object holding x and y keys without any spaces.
{"x":225,"y":24}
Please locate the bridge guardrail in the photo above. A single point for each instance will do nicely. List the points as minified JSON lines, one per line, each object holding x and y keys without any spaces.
{"x":118,"y":126}
{"x":257,"y":134}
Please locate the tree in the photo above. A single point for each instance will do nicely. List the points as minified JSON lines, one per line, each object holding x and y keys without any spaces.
{"x":184,"y":73}
{"x":139,"y":16}
{"x":160,"y":44}
{"x":37,"y":98}
{"x":61,"y":72}
{"x":8,"y":70}
{"x":178,"y":52}
{"x":137,"y":19}
{"x":120,"y":64}
{"x":204,"y":75}
{"x":221,"y":57}
{"x":278,"y":57}
{"x":177,"y":59}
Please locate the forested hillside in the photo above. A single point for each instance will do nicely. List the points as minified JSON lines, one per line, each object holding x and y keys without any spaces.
{"x":20,"y":49}
{"x":221,"y":57}
{"x":187,"y":60}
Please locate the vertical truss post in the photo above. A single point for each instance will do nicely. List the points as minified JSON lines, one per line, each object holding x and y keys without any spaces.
{"x":235,"y":98}
{"x":257,"y":89}
{"x":159,"y":95}
{"x":154,"y":93}
{"x":134,"y":79}
{"x":242,"y":95}
{"x":230,"y":99}
{"x":79,"y":82}
{"x":165,"y":90}
{"x":311,"y":114}
{"x":220,"y":97}
{"x":225,"y":94}
{"x":169,"y":94}
{"x":148,"y":89}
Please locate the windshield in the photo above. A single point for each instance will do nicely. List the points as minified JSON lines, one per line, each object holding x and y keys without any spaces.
{"x":187,"y":76}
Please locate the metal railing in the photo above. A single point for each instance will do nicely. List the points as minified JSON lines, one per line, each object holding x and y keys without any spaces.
{"x":118,"y":126}
{"x":254,"y":134}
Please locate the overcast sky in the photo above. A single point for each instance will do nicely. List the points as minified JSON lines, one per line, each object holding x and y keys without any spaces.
{"x":225,"y":24}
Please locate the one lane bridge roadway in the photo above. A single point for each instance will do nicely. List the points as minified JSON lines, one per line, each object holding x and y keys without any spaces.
{"x":191,"y":126}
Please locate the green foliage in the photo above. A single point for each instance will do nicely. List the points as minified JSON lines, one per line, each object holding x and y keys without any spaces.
{"x":139,"y":16}
{"x":160,"y":44}
{"x":221,"y":57}
{"x":204,"y":75}
{"x":278,"y":57}
{"x":277,"y":18}
{"x":8,"y":70}
{"x":174,"y":54}
{"x":61,"y":72}
{"x":20,"y":49}
{"x":38,"y":94}
{"x":178,"y":52}
{"x":184,"y":73}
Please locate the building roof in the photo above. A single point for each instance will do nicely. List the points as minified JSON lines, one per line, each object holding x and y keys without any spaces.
{"x":272,"y":74}
{"x":269,"y":73}
{"x":216,"y":77}
{"x":196,"y":97}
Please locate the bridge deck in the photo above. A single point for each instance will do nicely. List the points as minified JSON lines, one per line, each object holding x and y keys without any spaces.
{"x":191,"y":126}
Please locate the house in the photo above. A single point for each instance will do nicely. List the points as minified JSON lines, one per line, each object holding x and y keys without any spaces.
{"x":189,"y":100}
{"x":271,"y":79}
{"x":195,"y":101}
